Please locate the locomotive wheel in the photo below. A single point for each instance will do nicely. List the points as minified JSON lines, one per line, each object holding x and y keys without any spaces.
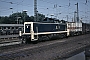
{"x":23,"y":41}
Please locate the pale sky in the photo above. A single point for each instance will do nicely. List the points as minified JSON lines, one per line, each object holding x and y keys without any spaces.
{"x":59,"y":8}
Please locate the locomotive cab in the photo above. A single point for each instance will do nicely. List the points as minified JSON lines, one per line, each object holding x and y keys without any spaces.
{"x":28,"y":34}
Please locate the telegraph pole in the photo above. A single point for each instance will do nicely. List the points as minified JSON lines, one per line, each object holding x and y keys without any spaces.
{"x":35,"y":10}
{"x":77,"y":13}
{"x":67,"y":18}
{"x":75,"y":16}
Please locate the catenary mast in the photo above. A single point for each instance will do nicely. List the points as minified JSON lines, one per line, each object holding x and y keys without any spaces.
{"x":35,"y":10}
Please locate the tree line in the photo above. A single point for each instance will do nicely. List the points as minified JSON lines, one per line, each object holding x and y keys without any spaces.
{"x":20,"y":18}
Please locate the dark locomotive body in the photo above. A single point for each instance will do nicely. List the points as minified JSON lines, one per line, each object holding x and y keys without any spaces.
{"x":48,"y":27}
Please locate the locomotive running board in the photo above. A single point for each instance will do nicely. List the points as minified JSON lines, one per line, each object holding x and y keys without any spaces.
{"x":50,"y":32}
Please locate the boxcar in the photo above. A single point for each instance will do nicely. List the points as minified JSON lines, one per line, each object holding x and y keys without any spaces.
{"x":78,"y":28}
{"x":85,"y":28}
{"x":74,"y":28}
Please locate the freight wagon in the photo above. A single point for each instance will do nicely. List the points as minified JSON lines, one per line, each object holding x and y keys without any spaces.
{"x":78,"y":28}
{"x":74,"y":28}
{"x":85,"y":28}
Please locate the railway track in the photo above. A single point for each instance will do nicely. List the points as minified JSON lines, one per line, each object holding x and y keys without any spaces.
{"x":6,"y":40}
{"x":10,"y":43}
{"x":48,"y":50}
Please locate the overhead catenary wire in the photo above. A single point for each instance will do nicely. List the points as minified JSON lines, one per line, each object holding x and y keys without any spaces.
{"x":15,"y":5}
{"x":64,"y":9}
